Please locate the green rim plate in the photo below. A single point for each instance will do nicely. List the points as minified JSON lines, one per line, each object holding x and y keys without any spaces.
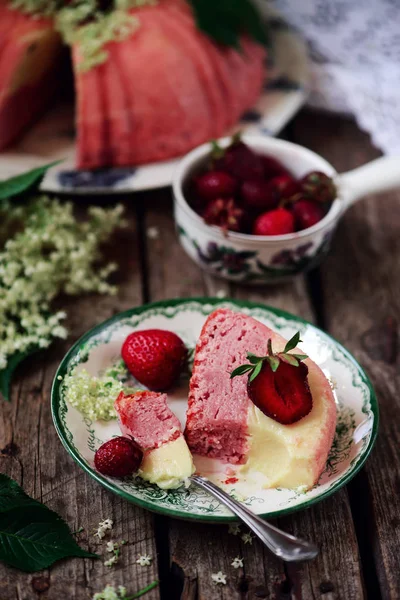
{"x":357,"y":421}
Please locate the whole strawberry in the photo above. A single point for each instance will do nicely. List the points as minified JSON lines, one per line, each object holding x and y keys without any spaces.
{"x":119,"y":457}
{"x":215,"y":184}
{"x":272,"y":167}
{"x":307,"y":213}
{"x":224,"y":213}
{"x":155,"y":357}
{"x":274,"y":222}
{"x":238,"y":160}
{"x":258,"y":195}
{"x":318,"y":186}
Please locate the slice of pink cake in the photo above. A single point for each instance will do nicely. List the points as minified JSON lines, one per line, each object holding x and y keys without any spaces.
{"x":146,"y":418}
{"x":223,"y":423}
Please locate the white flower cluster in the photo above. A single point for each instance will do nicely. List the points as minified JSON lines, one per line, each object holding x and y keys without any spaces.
{"x":52,"y":254}
{"x":93,"y":396}
{"x":110,"y":593}
{"x":103,"y":527}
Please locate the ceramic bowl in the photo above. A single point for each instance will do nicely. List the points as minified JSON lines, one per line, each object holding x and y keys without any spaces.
{"x":251,"y":259}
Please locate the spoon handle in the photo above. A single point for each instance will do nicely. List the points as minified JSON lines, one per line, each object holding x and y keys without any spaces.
{"x":282,"y":544}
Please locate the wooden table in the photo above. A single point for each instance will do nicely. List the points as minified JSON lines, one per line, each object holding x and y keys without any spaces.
{"x":355,"y":296}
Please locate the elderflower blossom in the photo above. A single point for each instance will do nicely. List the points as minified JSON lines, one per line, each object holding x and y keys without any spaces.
{"x":110,"y":593}
{"x":111,"y":561}
{"x":103,"y":527}
{"x":144,"y":560}
{"x":94,"y":396}
{"x":234,"y":528}
{"x":237,"y":562}
{"x":219,"y":577}
{"x":52,"y":253}
{"x":92,"y":36}
{"x":247,"y":538}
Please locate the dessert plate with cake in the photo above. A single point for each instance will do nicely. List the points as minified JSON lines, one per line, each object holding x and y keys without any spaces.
{"x":265,"y":405}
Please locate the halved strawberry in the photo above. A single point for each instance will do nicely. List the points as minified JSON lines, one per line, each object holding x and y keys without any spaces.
{"x":278,"y":384}
{"x":283,"y":395}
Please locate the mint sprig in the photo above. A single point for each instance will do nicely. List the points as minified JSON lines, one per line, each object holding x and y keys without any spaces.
{"x":32,"y":537}
{"x":256,"y":362}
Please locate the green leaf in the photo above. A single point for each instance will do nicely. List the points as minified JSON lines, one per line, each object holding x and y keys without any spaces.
{"x":225,"y":20}
{"x":21,"y":183}
{"x":289,"y":358}
{"x":300,"y":356}
{"x":274,"y":362}
{"x":241,"y":370}
{"x":12,"y":496}
{"x":292,"y":343}
{"x":216,"y":151}
{"x":253,"y":358}
{"x":256,"y":371}
{"x":7,"y":373}
{"x":32,"y":537}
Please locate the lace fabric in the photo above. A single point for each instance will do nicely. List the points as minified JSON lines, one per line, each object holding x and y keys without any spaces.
{"x":355,"y":60}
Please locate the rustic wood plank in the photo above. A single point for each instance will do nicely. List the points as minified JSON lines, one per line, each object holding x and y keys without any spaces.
{"x":365,"y":263}
{"x":32,"y":454}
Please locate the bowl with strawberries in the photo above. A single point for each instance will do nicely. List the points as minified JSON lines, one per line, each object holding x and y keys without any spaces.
{"x":259,"y":210}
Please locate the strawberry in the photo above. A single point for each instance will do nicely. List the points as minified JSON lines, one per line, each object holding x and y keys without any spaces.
{"x":318,"y":186}
{"x":155,"y":357}
{"x":259,"y":195}
{"x":215,"y":184}
{"x":119,"y":457}
{"x":274,"y":222}
{"x":273,"y":167}
{"x":277,"y":383}
{"x":225,"y":213}
{"x":307,"y":213}
{"x":284,"y":186}
{"x":238,"y":160}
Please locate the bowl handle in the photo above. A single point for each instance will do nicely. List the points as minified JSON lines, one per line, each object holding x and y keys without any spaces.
{"x":377,"y":176}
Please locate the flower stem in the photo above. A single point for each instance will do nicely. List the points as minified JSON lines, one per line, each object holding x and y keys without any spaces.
{"x":143,"y":591}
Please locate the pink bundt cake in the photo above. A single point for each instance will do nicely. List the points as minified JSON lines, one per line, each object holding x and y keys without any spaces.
{"x":223,"y":423}
{"x":162,"y":90}
{"x":29,"y":52}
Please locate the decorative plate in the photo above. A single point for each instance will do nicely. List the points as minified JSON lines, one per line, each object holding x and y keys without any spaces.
{"x":356,"y":404}
{"x":53,"y":138}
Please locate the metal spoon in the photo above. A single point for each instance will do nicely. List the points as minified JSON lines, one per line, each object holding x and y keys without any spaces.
{"x":282,"y":544}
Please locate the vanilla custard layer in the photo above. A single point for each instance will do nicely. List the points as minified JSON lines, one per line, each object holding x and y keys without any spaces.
{"x":291,"y":456}
{"x":169,"y":465}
